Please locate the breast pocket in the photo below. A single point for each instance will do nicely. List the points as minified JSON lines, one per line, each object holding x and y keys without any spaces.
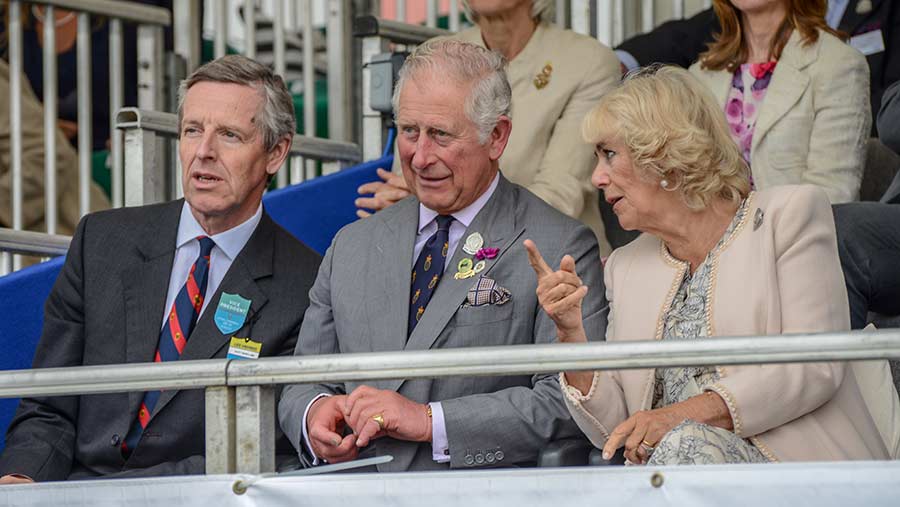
{"x":479,"y":326}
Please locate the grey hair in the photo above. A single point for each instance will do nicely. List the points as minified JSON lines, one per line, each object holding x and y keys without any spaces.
{"x":465,"y":63}
{"x":541,"y":10}
{"x":276,"y":118}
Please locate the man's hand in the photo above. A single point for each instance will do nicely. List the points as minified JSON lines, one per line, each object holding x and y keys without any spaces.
{"x":325,"y":424}
{"x":560,"y":294}
{"x":15,"y":479}
{"x":403,"y":418}
{"x":391,"y":189}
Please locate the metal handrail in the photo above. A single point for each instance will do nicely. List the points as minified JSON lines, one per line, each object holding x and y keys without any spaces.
{"x":33,"y":243}
{"x":480,"y":361}
{"x":396,"y":31}
{"x":135,"y":12}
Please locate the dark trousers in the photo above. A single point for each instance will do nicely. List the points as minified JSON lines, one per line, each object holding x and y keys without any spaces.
{"x":868,"y":235}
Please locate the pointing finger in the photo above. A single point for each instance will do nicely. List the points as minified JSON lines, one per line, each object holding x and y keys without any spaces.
{"x":536,"y":259}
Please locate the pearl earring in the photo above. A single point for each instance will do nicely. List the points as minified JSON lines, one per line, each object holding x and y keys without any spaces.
{"x":664,"y":184}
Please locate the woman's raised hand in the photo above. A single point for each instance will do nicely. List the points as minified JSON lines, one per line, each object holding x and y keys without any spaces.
{"x":560,"y":293}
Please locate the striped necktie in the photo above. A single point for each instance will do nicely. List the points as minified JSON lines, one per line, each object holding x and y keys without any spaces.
{"x":173,"y":337}
{"x":428,"y":270}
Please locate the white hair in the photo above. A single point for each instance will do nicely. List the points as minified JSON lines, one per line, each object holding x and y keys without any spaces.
{"x":490,"y":96}
{"x":541,"y":10}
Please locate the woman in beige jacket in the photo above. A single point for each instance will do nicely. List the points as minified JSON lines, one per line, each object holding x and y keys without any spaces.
{"x":715,"y":259}
{"x":796,"y":97}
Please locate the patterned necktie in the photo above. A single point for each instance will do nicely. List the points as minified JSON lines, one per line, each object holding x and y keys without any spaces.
{"x":174,"y":335}
{"x":428,"y":270}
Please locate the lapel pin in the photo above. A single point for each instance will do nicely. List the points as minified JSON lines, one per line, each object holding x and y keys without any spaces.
{"x":487,"y":253}
{"x":542,"y":78}
{"x":464,"y":269}
{"x":231,"y":312}
{"x":479,"y":267}
{"x":473,"y":243}
{"x":758,"y":218}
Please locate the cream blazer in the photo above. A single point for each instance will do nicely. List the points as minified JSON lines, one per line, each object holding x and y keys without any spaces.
{"x":781,"y":276}
{"x":546,"y":153}
{"x":814,"y":120}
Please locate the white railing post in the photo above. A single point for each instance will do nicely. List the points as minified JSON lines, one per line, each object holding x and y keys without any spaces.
{"x":255,"y":429}
{"x":50,"y":114}
{"x":220,"y":430}
{"x":85,"y":120}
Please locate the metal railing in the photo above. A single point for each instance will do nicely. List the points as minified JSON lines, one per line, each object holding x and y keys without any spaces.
{"x":240,"y":402}
{"x":33,"y":243}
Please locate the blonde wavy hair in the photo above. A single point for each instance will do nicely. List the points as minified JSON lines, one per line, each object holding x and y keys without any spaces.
{"x":674,"y":130}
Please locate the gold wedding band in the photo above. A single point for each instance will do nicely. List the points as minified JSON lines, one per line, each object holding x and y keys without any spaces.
{"x":648,"y":444}
{"x":379,"y":420}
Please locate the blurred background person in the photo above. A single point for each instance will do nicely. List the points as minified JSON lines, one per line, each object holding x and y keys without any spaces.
{"x":714,"y":259}
{"x":556,"y":76}
{"x":796,"y":97}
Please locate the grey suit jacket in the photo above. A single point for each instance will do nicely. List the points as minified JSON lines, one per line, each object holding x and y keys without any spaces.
{"x":359,"y":303}
{"x":106,"y":308}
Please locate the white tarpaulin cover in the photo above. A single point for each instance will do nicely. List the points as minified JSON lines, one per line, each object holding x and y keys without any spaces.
{"x":821,"y":484}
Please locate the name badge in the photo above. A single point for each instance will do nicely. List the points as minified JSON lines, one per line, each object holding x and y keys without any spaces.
{"x":868,"y":43}
{"x":231,"y":312}
{"x":243,"y":348}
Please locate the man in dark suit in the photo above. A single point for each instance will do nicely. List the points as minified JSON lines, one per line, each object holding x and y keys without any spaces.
{"x":444,"y":268}
{"x":209,"y":276}
{"x":873,"y":27}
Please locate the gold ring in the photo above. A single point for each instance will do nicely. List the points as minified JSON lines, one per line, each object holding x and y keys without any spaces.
{"x":647,"y":448}
{"x":379,"y":420}
{"x":648,"y":444}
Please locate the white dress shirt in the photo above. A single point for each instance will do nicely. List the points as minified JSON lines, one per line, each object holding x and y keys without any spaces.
{"x":187,"y":248}
{"x":427,"y":226}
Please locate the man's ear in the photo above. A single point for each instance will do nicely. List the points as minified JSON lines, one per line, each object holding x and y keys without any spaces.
{"x":500,"y":136}
{"x":278,"y":154}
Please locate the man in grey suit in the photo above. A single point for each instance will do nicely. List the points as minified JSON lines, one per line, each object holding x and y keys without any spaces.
{"x":209,"y":276}
{"x":444,"y":268}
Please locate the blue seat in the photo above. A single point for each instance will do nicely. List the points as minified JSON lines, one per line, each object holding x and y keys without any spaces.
{"x":316,"y":210}
{"x":312,"y":211}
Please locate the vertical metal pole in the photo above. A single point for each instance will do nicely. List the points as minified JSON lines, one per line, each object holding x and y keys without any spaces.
{"x":401,"y":10}
{"x":605,"y":21}
{"x":373,"y":135}
{"x":561,"y":13}
{"x":678,"y":9}
{"x":150,"y":67}
{"x":581,"y":17}
{"x":255,"y":429}
{"x":648,"y":21}
{"x":281,"y":177}
{"x":145,"y":172}
{"x":618,"y":22}
{"x":250,"y":28}
{"x":454,"y":16}
{"x":431,"y":13}
{"x":339,"y":75}
{"x":309,"y":81}
{"x":85,"y":107}
{"x":220,"y":430}
{"x":707,"y":4}
{"x":220,"y":43}
{"x":290,"y":17}
{"x":16,"y":76}
{"x":50,"y":99}
{"x":186,"y":32}
{"x":116,"y":98}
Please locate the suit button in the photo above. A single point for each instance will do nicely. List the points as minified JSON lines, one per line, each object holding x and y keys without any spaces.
{"x":115,"y":440}
{"x":470,"y":460}
{"x":489,"y":457}
{"x":479,"y":458}
{"x":499,"y":455}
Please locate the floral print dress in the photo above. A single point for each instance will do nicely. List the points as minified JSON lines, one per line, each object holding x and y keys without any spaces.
{"x":748,"y":90}
{"x":686,"y":319}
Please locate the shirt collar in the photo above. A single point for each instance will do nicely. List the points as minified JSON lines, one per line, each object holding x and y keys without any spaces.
{"x":836,"y":10}
{"x":465,"y":215}
{"x":230,"y":242}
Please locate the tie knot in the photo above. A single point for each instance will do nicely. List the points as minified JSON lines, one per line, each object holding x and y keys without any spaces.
{"x":206,"y":245}
{"x":444,"y":221}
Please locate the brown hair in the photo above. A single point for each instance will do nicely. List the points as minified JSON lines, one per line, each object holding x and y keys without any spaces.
{"x":729,"y":49}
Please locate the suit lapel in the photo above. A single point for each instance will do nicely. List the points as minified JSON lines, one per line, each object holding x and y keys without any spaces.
{"x":496,"y":223}
{"x":787,"y":86}
{"x":253,"y":263}
{"x":144,"y":289}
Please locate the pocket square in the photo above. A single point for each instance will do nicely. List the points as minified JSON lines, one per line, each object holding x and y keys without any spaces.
{"x":486,"y":291}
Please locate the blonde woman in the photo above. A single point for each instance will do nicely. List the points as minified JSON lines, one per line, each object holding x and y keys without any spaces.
{"x":796,"y":97}
{"x":714,"y":259}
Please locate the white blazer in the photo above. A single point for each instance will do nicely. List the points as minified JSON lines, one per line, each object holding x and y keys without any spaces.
{"x":814,"y":120}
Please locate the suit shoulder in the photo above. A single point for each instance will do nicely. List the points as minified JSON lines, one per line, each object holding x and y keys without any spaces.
{"x":793,"y":200}
{"x":537,"y":212}
{"x":836,"y":54}
{"x":579,"y":48}
{"x":134,"y":215}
